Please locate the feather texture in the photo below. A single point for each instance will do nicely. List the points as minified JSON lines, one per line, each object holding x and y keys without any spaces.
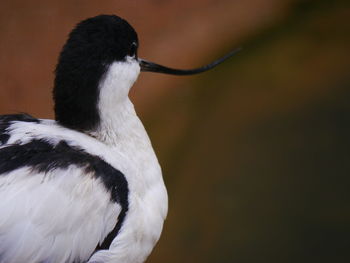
{"x":58,"y":209}
{"x":57,"y":202}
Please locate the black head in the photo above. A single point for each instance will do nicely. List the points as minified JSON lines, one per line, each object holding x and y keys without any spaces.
{"x":91,"y":47}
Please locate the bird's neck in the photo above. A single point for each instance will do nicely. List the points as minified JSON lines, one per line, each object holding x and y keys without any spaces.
{"x":118,"y":123}
{"x":119,"y":126}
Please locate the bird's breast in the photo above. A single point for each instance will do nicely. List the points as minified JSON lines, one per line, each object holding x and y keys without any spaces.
{"x":148,"y":200}
{"x":148,"y":204}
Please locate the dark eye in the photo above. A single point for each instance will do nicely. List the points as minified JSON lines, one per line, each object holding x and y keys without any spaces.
{"x":133,"y":50}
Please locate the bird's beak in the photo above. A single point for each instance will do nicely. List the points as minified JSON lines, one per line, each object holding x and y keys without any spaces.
{"x":153,"y":67}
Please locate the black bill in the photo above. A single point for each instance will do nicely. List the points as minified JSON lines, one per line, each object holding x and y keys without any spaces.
{"x":153,"y":67}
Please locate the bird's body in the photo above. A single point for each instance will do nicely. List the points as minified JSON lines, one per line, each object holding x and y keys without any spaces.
{"x":87,"y":186}
{"x":56,"y":202}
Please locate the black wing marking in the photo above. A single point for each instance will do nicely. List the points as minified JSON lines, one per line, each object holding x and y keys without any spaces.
{"x":42,"y":156}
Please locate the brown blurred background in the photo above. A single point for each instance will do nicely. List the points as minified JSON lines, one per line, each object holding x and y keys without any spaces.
{"x":256,"y":153}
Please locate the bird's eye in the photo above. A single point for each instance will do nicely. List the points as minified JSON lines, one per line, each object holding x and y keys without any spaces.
{"x":133,"y":50}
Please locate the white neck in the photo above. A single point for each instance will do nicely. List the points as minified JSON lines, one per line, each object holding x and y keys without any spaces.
{"x":118,"y":120}
{"x":119,"y":125}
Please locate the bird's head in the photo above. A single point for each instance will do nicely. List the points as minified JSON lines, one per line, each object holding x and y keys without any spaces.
{"x":100,"y":56}
{"x":93,"y":47}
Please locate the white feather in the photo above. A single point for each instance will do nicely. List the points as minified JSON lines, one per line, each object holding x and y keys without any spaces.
{"x":58,"y":216}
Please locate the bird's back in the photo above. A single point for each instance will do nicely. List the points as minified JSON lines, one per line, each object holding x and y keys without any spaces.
{"x":58,"y":203}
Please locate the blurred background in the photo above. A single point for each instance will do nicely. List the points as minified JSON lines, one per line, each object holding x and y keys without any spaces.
{"x":256,"y":153}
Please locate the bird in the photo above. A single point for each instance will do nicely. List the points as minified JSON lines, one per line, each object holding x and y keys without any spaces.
{"x":86,"y":186}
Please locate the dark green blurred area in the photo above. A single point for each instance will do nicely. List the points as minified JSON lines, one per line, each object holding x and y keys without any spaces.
{"x":256,"y":155}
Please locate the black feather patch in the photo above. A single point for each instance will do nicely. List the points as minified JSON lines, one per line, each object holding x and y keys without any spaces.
{"x":42,"y":156}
